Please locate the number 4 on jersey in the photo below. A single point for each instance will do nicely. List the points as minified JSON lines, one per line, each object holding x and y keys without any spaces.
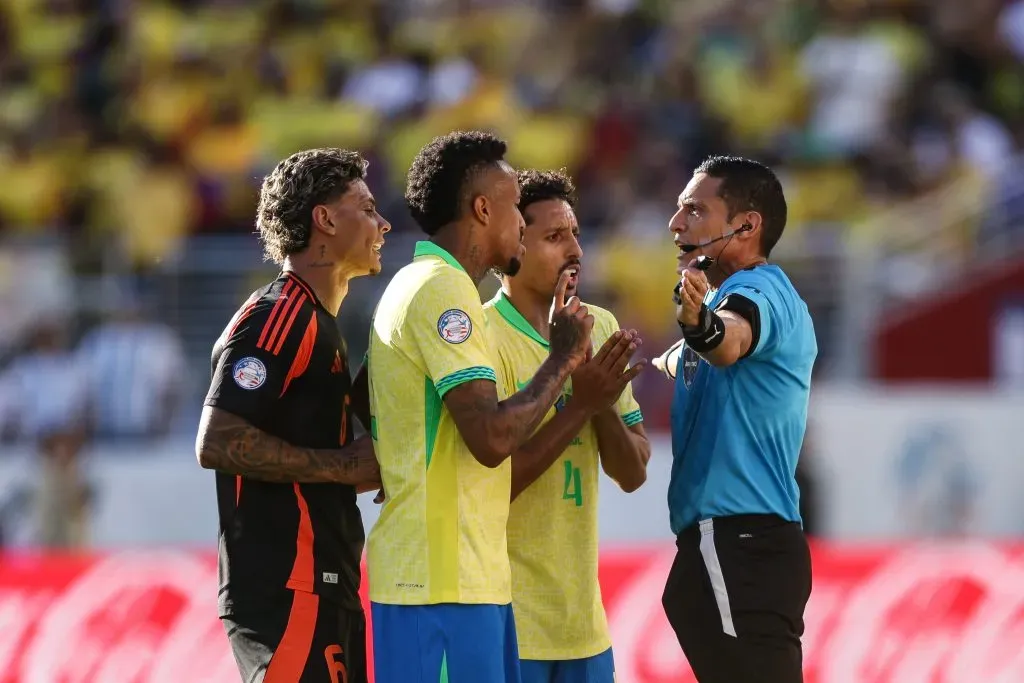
{"x":573,"y":490}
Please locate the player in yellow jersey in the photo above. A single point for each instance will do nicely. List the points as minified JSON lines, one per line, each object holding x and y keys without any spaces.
{"x":440,"y":581}
{"x":552,"y":529}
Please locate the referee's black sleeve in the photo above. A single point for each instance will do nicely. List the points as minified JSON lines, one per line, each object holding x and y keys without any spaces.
{"x":748,"y":310}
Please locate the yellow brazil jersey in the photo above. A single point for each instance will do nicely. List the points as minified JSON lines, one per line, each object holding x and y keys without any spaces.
{"x":552,"y":526}
{"x":440,"y":537}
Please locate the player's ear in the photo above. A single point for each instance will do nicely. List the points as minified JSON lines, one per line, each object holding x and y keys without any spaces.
{"x":481,"y":208}
{"x":322,"y":220}
{"x":750,"y":224}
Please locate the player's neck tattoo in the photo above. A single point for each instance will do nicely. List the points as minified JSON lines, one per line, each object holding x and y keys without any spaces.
{"x":474,"y":266}
{"x":321,"y":261}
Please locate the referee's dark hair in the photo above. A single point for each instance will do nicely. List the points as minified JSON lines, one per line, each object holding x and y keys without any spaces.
{"x":748,"y":185}
{"x":436,"y":187}
{"x":538,"y":186}
{"x":297,"y":184}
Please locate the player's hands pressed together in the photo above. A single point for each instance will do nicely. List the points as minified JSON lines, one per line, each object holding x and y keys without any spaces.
{"x":571,"y":324}
{"x":694,"y":287}
{"x":598,"y":382}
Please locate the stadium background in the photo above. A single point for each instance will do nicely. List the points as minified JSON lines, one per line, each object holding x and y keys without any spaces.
{"x":133,"y":136}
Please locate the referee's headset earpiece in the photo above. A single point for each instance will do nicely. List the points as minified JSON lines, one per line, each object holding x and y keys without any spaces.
{"x":711,"y":263}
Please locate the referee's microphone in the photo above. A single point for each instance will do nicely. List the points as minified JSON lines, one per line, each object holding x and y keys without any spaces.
{"x":687,"y":248}
{"x":704,"y":263}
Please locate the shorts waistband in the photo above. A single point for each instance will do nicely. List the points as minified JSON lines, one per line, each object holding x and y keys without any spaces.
{"x":732,"y":522}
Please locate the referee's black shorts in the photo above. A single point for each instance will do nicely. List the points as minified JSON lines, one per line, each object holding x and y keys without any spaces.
{"x":736,"y":595}
{"x":303,"y":639}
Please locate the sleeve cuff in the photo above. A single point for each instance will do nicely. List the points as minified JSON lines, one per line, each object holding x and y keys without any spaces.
{"x":449,"y":382}
{"x":635,"y":417}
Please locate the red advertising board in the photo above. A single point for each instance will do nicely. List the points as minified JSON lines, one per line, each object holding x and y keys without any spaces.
{"x":895,"y":614}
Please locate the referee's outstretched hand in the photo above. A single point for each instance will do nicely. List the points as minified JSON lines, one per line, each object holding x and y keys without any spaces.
{"x":694,"y":288}
{"x":599,"y":382}
{"x":570,"y":325}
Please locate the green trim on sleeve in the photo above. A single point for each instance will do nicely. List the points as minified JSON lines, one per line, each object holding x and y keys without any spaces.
{"x":446,"y":384}
{"x":633,"y":418}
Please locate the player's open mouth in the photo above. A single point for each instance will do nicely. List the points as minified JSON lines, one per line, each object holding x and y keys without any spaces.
{"x":376,"y":247}
{"x":574,"y":276}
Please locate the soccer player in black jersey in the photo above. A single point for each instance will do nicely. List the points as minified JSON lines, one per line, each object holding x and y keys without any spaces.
{"x":276,"y":426}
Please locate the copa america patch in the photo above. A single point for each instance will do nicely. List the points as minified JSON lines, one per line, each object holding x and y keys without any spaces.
{"x":454,"y":326}
{"x":249,"y":373}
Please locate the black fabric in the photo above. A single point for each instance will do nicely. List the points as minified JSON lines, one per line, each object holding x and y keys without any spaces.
{"x":339,"y":634}
{"x":748,"y":310}
{"x":766,"y":568}
{"x":281,"y":366}
{"x":708,"y":334}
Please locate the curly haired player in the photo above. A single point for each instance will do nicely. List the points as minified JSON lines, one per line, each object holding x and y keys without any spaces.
{"x":276,"y":428}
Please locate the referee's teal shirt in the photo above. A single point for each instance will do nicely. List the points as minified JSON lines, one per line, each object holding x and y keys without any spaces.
{"x":737,"y":430}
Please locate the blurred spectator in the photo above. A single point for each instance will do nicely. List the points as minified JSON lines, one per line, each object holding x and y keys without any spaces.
{"x":47,"y":399}
{"x":131,"y":133}
{"x":855,"y":75}
{"x":136,"y":372}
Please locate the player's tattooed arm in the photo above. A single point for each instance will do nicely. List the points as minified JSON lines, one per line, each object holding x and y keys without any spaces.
{"x":597,"y":384}
{"x":624,"y":450}
{"x":546,"y":446}
{"x":493,"y":429}
{"x":360,"y":396}
{"x":229,"y":444}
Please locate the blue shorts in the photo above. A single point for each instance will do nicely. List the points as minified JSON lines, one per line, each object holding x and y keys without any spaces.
{"x":445,"y":643}
{"x":597,"y":669}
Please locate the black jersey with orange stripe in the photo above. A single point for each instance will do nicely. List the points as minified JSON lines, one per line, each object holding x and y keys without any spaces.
{"x":281,"y":366}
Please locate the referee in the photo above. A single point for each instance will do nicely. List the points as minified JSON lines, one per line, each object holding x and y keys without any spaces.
{"x":742,"y":574}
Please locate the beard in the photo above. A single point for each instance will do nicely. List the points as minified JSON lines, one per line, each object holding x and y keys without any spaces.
{"x":510,"y":269}
{"x":514,"y":264}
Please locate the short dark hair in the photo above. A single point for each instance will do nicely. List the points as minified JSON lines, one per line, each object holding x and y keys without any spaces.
{"x":748,"y":185}
{"x":538,"y":186}
{"x":441,"y":171}
{"x":285,"y":213}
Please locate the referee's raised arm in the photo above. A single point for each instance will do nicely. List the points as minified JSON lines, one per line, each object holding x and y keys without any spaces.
{"x":736,"y":593}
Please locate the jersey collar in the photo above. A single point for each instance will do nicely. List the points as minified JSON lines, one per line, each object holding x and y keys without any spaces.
{"x":514,"y":318}
{"x":430,"y":249}
{"x":306,"y":287}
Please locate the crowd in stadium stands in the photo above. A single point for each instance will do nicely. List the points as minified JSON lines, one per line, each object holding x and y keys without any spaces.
{"x":127,"y":127}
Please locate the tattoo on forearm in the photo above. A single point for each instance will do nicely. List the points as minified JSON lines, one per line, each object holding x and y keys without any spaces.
{"x":504,"y":426}
{"x":565,"y":336}
{"x":476,"y":406}
{"x":239,"y":448}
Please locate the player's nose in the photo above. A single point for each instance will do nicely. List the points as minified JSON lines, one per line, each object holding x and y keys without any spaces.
{"x":383,"y":225}
{"x":575,"y":251}
{"x":677,"y":223}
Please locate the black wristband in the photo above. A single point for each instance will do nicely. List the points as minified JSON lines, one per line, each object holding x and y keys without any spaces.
{"x":707,"y":334}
